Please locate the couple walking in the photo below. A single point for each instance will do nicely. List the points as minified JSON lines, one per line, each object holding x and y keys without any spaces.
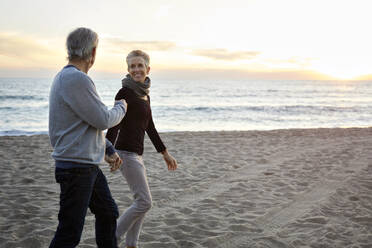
{"x":77,"y":118}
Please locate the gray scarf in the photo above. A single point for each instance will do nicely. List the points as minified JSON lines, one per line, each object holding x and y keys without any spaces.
{"x":141,"y":89}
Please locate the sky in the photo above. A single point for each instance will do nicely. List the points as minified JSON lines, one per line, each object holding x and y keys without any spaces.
{"x":253,"y":39}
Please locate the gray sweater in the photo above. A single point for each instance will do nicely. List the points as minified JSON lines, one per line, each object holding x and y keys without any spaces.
{"x":77,"y":118}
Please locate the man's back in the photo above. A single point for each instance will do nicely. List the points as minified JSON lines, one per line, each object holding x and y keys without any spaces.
{"x":77,"y":117}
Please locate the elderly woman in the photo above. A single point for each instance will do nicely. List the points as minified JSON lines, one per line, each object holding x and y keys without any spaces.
{"x":128,"y":139}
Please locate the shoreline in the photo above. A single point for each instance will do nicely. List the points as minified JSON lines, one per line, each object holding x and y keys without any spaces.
{"x":28,"y":134}
{"x":277,"y":188}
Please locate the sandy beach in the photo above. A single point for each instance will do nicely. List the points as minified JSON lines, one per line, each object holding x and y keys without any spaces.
{"x":282,"y":188}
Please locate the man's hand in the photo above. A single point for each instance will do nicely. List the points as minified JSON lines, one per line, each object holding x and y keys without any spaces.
{"x":123,"y":101}
{"x":169,"y":160}
{"x":114,"y":161}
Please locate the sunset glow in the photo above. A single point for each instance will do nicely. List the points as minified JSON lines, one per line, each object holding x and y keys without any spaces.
{"x":256,"y":39}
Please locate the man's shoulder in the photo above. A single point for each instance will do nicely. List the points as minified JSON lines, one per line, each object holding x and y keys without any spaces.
{"x":75,"y":78}
{"x":73,"y":73}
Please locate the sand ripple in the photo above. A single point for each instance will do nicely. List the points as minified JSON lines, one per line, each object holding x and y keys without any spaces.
{"x":285,"y":188}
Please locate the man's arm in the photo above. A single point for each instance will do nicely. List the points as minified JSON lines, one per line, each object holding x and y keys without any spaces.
{"x":112,"y":157}
{"x":82,"y":97}
{"x":109,"y":148}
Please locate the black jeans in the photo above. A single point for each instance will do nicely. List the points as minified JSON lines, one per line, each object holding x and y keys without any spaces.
{"x":82,"y":188}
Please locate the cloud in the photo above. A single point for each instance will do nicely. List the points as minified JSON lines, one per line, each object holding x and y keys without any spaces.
{"x":223,"y":54}
{"x":119,"y":45}
{"x":294,"y":61}
{"x":17,"y":46}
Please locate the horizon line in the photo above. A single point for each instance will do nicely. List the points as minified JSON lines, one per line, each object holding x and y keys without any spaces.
{"x":189,"y":73}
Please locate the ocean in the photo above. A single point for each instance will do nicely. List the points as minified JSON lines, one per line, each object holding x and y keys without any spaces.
{"x":208,"y":105}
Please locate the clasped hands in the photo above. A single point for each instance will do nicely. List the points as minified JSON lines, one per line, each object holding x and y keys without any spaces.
{"x":114,"y":161}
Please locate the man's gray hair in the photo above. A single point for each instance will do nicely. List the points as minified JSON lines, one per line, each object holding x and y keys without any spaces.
{"x":80,"y":44}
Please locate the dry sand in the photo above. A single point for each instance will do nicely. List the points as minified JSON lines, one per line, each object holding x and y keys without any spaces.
{"x":285,"y":188}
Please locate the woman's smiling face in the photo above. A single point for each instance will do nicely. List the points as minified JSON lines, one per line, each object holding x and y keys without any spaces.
{"x":137,"y":69}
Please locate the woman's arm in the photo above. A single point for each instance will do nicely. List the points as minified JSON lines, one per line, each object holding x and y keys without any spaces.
{"x":169,"y":160}
{"x":154,"y":136}
{"x":112,"y":134}
{"x":160,"y":147}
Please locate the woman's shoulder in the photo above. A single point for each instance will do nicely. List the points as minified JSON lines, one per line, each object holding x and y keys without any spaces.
{"x":124,"y":92}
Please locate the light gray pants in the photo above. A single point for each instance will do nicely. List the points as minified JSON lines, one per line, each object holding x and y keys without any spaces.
{"x":131,"y":220}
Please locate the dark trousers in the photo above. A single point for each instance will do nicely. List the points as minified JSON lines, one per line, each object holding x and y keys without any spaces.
{"x":82,"y":188}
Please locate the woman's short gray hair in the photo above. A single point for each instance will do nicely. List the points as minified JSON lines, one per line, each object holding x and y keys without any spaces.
{"x":139,"y":53}
{"x":80,"y":44}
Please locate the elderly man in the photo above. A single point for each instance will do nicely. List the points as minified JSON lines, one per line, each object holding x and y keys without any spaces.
{"x":77,"y":118}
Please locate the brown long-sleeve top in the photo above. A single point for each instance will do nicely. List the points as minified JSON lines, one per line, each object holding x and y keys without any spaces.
{"x":130,"y":132}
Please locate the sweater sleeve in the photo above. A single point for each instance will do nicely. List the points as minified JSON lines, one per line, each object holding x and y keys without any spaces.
{"x":81,"y":95}
{"x":109,"y":148}
{"x":112,"y":132}
{"x":154,"y":135}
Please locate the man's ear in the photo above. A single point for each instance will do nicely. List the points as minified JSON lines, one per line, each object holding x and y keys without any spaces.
{"x":94,"y":50}
{"x":93,"y":58}
{"x":148,"y":69}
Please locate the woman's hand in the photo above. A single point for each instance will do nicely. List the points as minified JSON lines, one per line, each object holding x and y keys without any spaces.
{"x":169,"y":160}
